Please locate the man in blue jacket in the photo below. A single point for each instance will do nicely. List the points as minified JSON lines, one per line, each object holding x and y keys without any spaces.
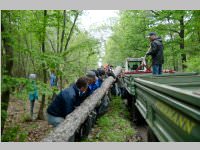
{"x":66,"y":101}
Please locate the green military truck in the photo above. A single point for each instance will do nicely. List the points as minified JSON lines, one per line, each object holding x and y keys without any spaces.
{"x":168,"y":103}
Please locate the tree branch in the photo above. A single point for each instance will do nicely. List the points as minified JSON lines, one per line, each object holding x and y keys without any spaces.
{"x":51,"y":44}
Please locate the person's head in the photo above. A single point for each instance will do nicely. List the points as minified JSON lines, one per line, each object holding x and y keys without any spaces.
{"x":32,"y":76}
{"x":105,"y":65}
{"x":96,"y":72}
{"x":152,"y":36}
{"x":53,"y":71}
{"x":82,"y":84}
{"x":102,"y":73}
{"x":91,"y":76}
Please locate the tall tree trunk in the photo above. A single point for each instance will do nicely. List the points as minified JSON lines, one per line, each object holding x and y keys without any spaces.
{"x":41,"y":109}
{"x":71,"y":31}
{"x":182,"y":45}
{"x":58,"y":37}
{"x":18,"y":71}
{"x":63,"y":31}
{"x":173,"y":56}
{"x":31,"y":47}
{"x":198,"y":33}
{"x":8,"y":68}
{"x":58,"y":32}
{"x":27,"y":66}
{"x":61,"y":43}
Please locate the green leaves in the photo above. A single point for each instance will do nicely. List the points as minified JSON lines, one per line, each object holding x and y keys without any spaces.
{"x":193,"y":64}
{"x":27,"y":28}
{"x":129,"y":36}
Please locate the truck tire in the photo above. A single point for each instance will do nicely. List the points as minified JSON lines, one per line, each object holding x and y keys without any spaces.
{"x":124,"y":93}
{"x":136,"y":115}
{"x":129,"y":102}
{"x":151,"y":136}
{"x":86,"y":126}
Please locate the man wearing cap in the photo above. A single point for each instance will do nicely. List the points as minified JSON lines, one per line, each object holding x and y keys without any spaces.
{"x":92,"y":80}
{"x":156,"y":52}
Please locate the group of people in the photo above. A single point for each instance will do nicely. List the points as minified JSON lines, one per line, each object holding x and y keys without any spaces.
{"x":70,"y":98}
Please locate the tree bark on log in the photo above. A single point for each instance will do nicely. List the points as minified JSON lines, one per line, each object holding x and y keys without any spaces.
{"x":73,"y":121}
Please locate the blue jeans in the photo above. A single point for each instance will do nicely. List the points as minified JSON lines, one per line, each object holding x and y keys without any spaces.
{"x":53,"y":120}
{"x":32,"y":102}
{"x":157,"y":69}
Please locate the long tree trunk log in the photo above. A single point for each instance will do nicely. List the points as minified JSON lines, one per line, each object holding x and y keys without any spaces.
{"x":73,"y":121}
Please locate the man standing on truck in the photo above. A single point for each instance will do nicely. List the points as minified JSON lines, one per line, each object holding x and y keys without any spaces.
{"x":156,"y":52}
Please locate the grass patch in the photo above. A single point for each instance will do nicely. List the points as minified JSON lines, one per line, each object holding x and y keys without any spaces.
{"x":14,"y":134}
{"x":114,"y":126}
{"x":26,"y":117}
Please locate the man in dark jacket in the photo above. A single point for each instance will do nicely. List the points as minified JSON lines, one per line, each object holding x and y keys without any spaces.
{"x":66,"y":101}
{"x":156,"y":52}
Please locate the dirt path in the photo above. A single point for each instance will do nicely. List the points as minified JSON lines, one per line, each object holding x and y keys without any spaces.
{"x":141,"y":133}
{"x":114,"y":126}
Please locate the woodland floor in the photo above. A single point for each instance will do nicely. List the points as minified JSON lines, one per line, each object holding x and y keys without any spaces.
{"x":114,"y":126}
{"x":19,"y":127}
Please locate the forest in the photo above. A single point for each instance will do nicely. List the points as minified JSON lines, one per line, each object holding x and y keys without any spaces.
{"x":42,"y":41}
{"x":179,"y":30}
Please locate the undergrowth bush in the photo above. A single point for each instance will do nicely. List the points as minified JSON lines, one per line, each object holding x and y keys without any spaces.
{"x":14,"y":134}
{"x":114,"y":126}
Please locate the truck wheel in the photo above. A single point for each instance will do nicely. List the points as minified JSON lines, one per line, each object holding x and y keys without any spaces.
{"x":129,"y":101}
{"x":151,"y":136}
{"x":124,"y":93}
{"x":136,"y":115}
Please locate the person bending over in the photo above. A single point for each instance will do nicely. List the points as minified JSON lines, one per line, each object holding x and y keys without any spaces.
{"x":66,"y":101}
{"x":92,"y":82}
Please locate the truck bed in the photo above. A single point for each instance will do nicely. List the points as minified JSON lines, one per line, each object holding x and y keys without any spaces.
{"x":128,"y":80}
{"x":170,"y":105}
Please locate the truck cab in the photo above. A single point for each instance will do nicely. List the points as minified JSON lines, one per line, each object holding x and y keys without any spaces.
{"x":136,"y":65}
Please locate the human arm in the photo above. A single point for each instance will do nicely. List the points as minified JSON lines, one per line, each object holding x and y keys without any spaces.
{"x":153,"y":50}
